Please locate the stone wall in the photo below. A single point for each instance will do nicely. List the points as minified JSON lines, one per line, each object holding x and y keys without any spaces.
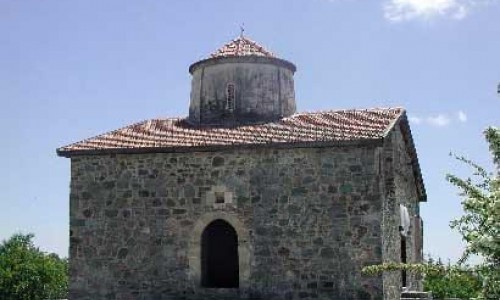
{"x":406,"y":194}
{"x":307,"y":219}
{"x":263,"y":91}
{"x":399,"y":188}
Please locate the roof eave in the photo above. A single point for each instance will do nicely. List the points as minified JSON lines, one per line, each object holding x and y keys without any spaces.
{"x":243,"y":59}
{"x":184,"y":149}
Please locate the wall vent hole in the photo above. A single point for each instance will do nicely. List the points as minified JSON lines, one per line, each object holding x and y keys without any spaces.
{"x":219,"y":197}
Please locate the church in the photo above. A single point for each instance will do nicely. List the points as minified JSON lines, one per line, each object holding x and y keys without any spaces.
{"x":246,"y":198}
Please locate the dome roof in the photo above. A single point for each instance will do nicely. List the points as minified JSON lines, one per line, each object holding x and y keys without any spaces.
{"x":242,"y":49}
{"x":241,"y":46}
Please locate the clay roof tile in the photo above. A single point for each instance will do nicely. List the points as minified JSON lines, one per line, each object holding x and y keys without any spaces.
{"x":241,"y":46}
{"x":171,"y":133}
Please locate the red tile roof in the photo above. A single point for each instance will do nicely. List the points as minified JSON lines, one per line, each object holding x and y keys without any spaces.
{"x":304,"y":128}
{"x":241,"y":46}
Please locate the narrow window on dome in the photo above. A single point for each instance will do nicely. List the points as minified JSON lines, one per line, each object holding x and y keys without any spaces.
{"x":230,"y":97}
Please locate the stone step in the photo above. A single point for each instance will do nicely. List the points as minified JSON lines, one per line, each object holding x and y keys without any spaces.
{"x":416,"y":295}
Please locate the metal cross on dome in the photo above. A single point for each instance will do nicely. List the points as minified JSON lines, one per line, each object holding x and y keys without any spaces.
{"x":242,"y":29}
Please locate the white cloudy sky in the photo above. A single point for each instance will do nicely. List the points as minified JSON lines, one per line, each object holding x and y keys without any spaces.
{"x":441,"y":119}
{"x":407,"y":10}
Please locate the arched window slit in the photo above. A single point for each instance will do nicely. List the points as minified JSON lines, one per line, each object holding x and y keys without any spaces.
{"x":230,"y":95}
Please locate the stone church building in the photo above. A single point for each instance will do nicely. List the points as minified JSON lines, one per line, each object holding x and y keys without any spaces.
{"x":245,"y":198}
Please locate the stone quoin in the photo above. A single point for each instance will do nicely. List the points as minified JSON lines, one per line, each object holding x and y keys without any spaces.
{"x":245,"y":198}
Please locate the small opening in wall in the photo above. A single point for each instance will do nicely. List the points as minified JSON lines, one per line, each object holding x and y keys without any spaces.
{"x":219,"y":197}
{"x":230,"y":97}
{"x":403,"y":260}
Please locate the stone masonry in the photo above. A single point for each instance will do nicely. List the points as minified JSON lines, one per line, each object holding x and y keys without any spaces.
{"x":312,"y":217}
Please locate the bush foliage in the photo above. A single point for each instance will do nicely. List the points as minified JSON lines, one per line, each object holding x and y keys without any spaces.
{"x":444,"y":281}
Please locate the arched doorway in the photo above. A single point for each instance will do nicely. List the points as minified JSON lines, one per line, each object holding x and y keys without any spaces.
{"x":219,"y":256}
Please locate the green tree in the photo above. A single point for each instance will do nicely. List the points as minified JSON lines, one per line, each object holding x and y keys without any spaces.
{"x":28,"y":273}
{"x":480,"y":224}
{"x":451,"y":281}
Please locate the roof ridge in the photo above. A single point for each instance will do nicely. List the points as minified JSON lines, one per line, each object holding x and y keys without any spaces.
{"x":236,"y":47}
{"x":395,"y":121}
{"x":347,"y":110}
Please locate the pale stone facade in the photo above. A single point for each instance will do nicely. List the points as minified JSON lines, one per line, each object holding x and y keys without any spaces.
{"x":298,"y":219}
{"x":264,"y":90}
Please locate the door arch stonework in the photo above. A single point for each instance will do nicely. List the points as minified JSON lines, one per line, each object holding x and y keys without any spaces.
{"x":195,"y":247}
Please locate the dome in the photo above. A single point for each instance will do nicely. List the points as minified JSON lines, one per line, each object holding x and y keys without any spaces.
{"x":241,"y":82}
